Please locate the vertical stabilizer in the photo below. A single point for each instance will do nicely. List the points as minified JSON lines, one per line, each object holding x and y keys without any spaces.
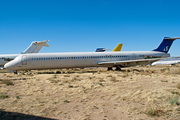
{"x":35,"y":47}
{"x":117,"y":48}
{"x":165,"y":44}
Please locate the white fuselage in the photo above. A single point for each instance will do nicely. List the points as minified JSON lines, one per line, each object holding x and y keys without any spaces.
{"x":77,"y":59}
{"x":171,"y":62}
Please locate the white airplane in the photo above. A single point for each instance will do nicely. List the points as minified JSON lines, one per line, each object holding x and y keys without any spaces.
{"x":169,"y":61}
{"x":89,"y":59}
{"x":33,"y":48}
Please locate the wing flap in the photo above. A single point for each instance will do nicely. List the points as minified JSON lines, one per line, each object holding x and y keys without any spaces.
{"x":127,"y":63}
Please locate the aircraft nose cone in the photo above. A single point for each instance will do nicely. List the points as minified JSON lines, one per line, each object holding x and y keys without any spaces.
{"x":8,"y":65}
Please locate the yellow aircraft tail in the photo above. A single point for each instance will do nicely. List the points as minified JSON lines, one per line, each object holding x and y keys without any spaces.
{"x":117,"y":48}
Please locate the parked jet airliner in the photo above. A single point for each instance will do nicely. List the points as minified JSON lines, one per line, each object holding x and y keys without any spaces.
{"x":169,"y":61}
{"x":35,"y":47}
{"x":89,"y":59}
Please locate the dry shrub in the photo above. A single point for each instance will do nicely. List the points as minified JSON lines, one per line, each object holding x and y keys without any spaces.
{"x":66,"y":101}
{"x":3,"y":95}
{"x":113,"y":79}
{"x":70,"y":86}
{"x":173,"y":101}
{"x":124,"y":75}
{"x":66,"y":75}
{"x":66,"y":81}
{"x":75,"y":78}
{"x":136,"y":70}
{"x":7,"y":82}
{"x":69,"y":72}
{"x":54,"y":81}
{"x":152,"y":111}
{"x":178,"y":85}
{"x":163,"y":70}
{"x":164,"y":81}
{"x":174,"y":92}
{"x":109,"y":76}
{"x":55,"y":76}
{"x":101,"y":80}
{"x":45,"y":72}
{"x":128,"y":70}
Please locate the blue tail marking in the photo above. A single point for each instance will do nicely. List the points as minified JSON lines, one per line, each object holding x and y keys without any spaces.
{"x":165,"y":44}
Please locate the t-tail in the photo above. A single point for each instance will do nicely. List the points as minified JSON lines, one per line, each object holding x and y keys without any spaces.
{"x":165,"y":44}
{"x":117,"y":48}
{"x":35,"y":47}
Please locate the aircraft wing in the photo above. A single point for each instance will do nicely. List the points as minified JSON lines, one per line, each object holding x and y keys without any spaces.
{"x":128,"y":63}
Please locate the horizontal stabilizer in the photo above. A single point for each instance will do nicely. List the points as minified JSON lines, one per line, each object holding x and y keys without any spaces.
{"x":43,"y":43}
{"x":167,"y":38}
{"x":101,"y":49}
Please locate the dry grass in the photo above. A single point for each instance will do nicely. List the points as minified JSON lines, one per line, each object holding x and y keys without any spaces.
{"x":94,"y":93}
{"x":175,"y":71}
{"x":153,"y":111}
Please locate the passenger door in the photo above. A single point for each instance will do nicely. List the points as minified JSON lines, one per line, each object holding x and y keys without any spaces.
{"x":24,"y":60}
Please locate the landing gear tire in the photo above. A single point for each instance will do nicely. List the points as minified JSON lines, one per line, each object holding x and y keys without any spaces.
{"x":109,"y":68}
{"x":15,"y":72}
{"x":118,"y":69}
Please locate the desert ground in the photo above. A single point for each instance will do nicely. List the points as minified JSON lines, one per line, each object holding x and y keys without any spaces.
{"x":135,"y":93}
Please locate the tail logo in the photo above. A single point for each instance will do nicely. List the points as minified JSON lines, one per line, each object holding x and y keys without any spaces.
{"x":166,"y":49}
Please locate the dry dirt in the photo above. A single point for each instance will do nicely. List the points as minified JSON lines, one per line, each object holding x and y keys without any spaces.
{"x":137,"y":93}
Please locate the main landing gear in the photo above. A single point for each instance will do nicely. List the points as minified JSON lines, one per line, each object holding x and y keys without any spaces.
{"x":109,"y":68}
{"x":15,"y":72}
{"x":117,"y":69}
